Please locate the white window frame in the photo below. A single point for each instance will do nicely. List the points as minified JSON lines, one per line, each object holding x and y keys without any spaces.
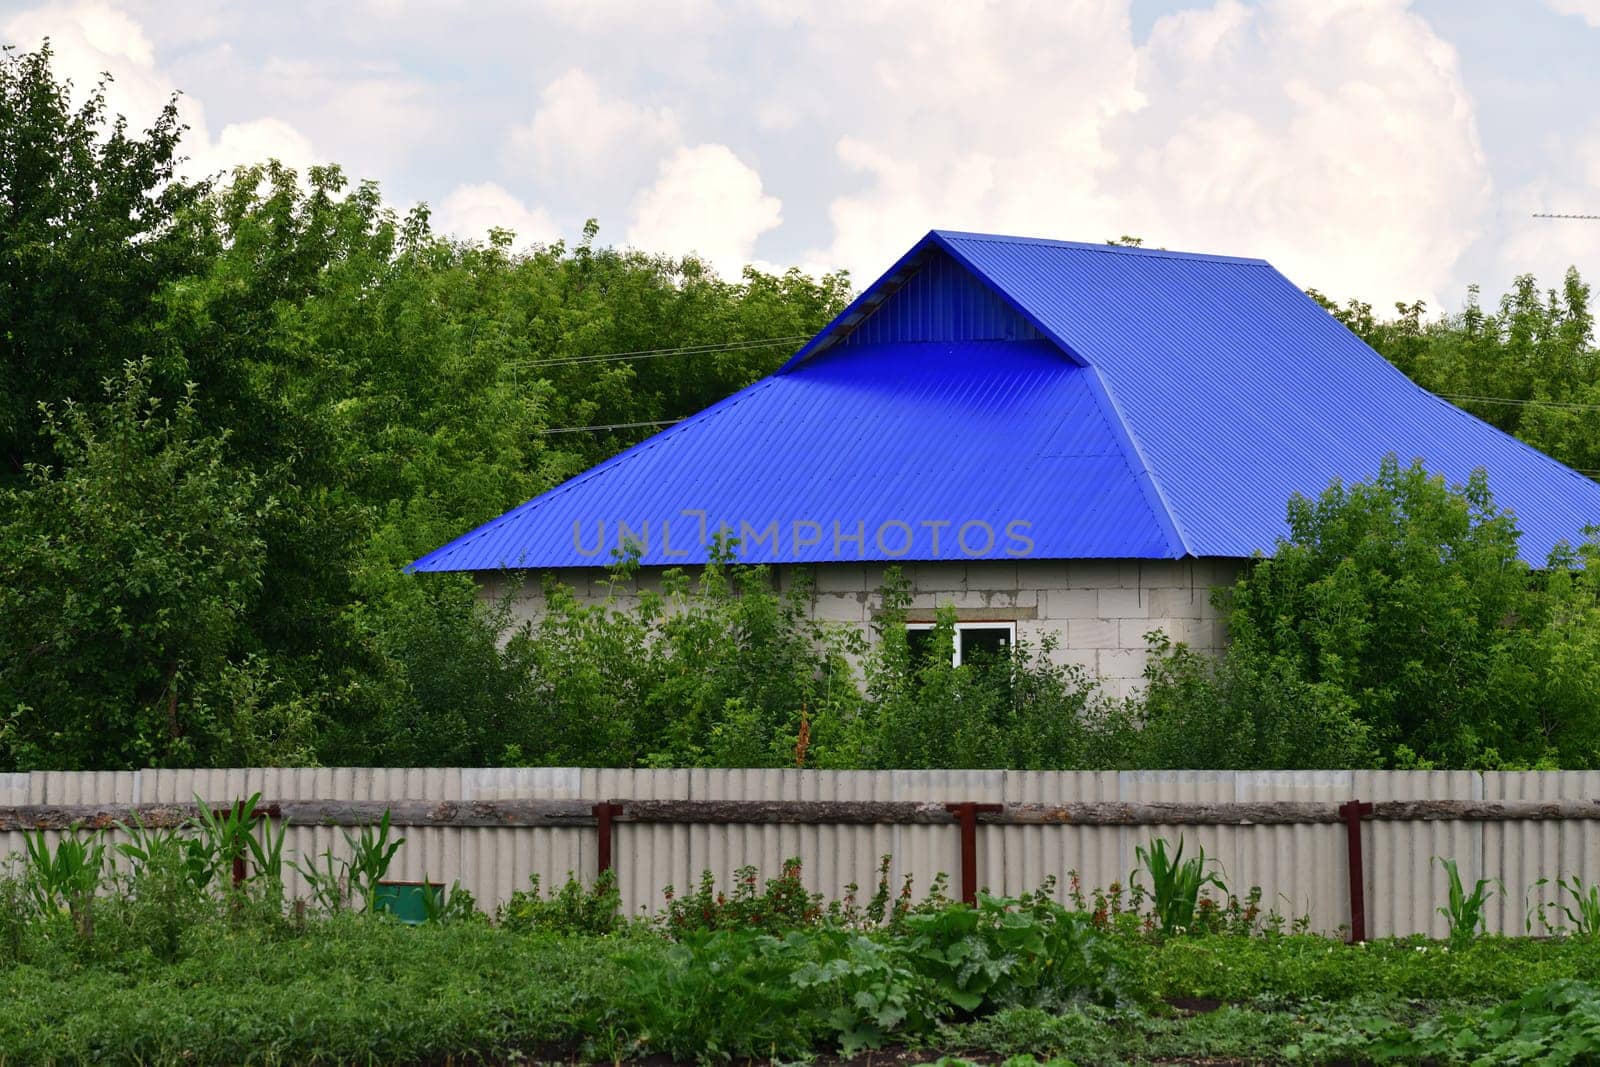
{"x":971,"y":624}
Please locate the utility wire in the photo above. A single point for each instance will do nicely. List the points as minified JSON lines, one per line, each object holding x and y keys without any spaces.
{"x":1446,"y":396}
{"x":658,"y":353}
{"x":1545,"y":215}
{"x":1512,"y":401}
{"x":609,"y":426}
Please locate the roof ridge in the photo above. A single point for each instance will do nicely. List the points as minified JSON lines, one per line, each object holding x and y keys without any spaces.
{"x":1140,"y":466}
{"x":1133,"y":452}
{"x":1091,"y":246}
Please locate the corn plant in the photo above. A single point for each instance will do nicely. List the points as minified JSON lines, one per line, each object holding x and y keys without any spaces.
{"x":1175,"y":883}
{"x":150,"y":848}
{"x":1582,"y":913}
{"x":68,"y":876}
{"x":266,"y":853}
{"x":1463,"y":910}
{"x":227,"y":838}
{"x":370,"y":856}
{"x":329,"y":884}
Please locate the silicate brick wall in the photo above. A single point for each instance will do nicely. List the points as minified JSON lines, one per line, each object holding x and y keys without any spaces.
{"x":1100,"y":610}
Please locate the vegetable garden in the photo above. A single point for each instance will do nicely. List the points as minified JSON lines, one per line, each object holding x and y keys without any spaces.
{"x":177,"y":945}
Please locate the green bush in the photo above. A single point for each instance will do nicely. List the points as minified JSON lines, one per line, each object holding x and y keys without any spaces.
{"x":572,"y":909}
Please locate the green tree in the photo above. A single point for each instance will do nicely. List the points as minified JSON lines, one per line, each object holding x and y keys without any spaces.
{"x":90,"y":232}
{"x":127,"y":564}
{"x":1407,"y":597}
{"x":1528,"y":365}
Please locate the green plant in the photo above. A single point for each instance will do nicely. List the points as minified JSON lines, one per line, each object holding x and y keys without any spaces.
{"x":16,"y":907}
{"x":449,"y":906}
{"x":719,"y":994}
{"x":228,"y":837}
{"x":370,"y":856}
{"x":1004,"y":951}
{"x":1582,"y":913}
{"x":860,"y":991}
{"x":782,"y":904}
{"x":266,"y":853}
{"x":150,"y":847}
{"x":1175,"y":883}
{"x":69,"y":875}
{"x":162,"y":901}
{"x":329,"y":883}
{"x":1463,"y":911}
{"x":572,"y":909}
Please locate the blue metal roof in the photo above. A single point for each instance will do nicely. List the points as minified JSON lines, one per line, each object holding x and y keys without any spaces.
{"x":1010,"y":398}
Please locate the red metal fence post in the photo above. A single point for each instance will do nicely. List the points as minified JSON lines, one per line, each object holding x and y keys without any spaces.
{"x":603,"y":813}
{"x":966,"y":814}
{"x":1352,"y":813}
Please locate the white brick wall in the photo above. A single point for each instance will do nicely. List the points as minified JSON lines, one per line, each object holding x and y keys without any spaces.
{"x":1101,"y":609}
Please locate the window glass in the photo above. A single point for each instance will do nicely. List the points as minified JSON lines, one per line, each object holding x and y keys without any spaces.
{"x":983,"y":644}
{"x":977,"y":643}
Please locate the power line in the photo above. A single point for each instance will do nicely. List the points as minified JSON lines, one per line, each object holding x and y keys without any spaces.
{"x":608,"y":426}
{"x":658,"y":353}
{"x":1514,"y":402}
{"x":1547,"y":215}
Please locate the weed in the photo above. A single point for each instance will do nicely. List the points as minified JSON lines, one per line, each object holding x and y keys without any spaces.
{"x":329,"y":883}
{"x":570,"y":910}
{"x":782,"y":904}
{"x":68,"y":876}
{"x":370,"y":856}
{"x":227,"y":837}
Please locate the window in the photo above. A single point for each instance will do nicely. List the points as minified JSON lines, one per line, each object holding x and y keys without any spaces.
{"x":975,"y":643}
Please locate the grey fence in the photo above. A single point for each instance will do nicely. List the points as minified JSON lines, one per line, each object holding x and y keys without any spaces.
{"x":1293,"y":834}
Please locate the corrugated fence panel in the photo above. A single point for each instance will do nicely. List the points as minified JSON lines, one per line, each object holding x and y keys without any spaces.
{"x":1405,"y":883}
{"x":1521,"y":855}
{"x":1300,"y":869}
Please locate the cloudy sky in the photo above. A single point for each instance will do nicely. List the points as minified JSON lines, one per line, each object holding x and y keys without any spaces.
{"x":1370,"y":148}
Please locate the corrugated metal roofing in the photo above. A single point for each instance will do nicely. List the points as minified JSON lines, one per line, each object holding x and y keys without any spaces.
{"x":1176,"y":404}
{"x":873,"y":452}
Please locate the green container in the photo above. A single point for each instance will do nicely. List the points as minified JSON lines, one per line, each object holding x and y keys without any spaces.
{"x":407,"y":901}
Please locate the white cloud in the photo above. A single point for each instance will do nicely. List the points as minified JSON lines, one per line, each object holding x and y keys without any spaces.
{"x":1587,"y":10}
{"x":242,"y":143}
{"x":470,"y":211}
{"x":706,"y":200}
{"x":581,"y":139}
{"x":90,"y":38}
{"x":377,"y":114}
{"x":1336,"y":139}
{"x":954,"y":117}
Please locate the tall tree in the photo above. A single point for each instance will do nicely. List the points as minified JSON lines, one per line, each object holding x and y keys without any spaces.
{"x":90,"y":232}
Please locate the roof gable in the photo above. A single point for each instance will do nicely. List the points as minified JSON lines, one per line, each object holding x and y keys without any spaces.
{"x":939,"y":300}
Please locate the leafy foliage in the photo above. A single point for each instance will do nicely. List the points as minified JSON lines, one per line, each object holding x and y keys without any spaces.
{"x":1394,"y":626}
{"x":166,"y":971}
{"x":571,"y":909}
{"x":235,"y":411}
{"x":1578,"y":903}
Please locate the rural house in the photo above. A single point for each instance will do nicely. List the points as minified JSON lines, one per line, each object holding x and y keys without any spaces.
{"x":1048,"y":436}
